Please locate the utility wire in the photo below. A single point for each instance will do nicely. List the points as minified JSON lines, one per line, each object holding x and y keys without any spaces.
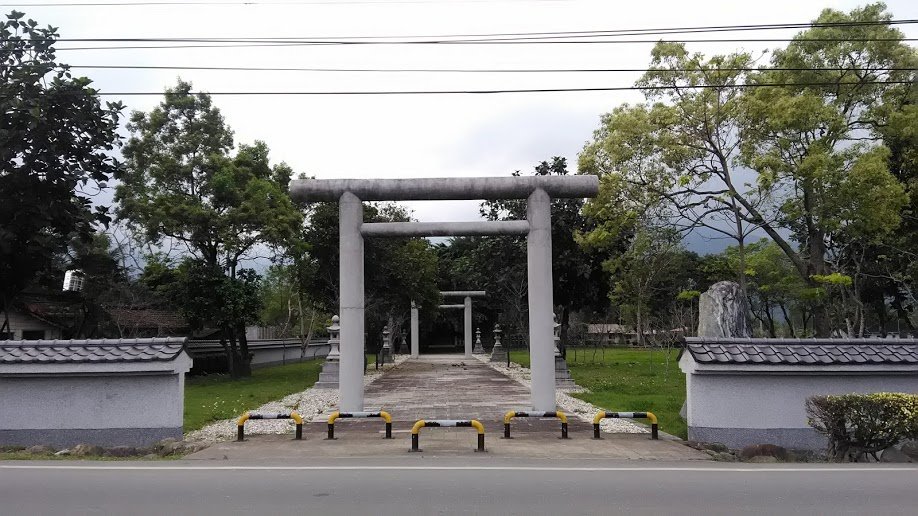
{"x":496,"y":91}
{"x":483,"y":42}
{"x":459,"y":70}
{"x":516,"y":35}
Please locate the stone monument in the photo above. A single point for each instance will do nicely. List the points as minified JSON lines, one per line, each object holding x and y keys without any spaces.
{"x":387,"y":346}
{"x":562,"y":375}
{"x":723,"y":311}
{"x":328,"y":378}
{"x":479,"y":349}
{"x":498,"y":352}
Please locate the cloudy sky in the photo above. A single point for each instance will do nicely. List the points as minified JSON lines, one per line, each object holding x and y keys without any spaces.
{"x":407,"y":135}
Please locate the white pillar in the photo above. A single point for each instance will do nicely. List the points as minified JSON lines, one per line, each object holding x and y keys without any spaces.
{"x":415,"y":339}
{"x":350,"y":384}
{"x":541,"y":331}
{"x":468,"y":327}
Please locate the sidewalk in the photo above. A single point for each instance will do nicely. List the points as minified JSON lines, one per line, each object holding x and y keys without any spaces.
{"x":448,"y":387}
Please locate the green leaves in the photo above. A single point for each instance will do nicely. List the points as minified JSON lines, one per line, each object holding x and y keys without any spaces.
{"x":55,"y":139}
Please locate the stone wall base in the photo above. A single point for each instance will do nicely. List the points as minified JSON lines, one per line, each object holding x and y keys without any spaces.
{"x":737,"y":438}
{"x":105,"y":437}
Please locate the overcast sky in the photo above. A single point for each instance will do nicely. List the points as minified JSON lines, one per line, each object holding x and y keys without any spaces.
{"x":409,"y":136}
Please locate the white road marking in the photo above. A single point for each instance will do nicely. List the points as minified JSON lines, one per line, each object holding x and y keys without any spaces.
{"x":465,"y":468}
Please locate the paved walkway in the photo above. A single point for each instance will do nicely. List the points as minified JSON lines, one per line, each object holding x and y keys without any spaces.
{"x":449,"y":387}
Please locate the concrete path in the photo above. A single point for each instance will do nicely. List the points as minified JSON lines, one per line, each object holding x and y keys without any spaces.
{"x":448,"y":387}
{"x":449,"y":486}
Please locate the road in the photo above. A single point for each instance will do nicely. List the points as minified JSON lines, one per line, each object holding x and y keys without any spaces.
{"x":453,"y":486}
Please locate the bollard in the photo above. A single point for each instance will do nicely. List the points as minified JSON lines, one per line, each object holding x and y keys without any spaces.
{"x":471,"y":423}
{"x":512,"y":414}
{"x":342,"y":415}
{"x":240,"y":424}
{"x":654,"y":432}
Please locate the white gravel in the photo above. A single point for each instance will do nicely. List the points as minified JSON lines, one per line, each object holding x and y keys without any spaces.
{"x":308,"y":403}
{"x":567,"y":403}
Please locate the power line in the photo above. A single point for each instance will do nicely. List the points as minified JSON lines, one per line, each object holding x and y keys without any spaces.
{"x":459,"y":70}
{"x":261,"y":2}
{"x":517,"y":35}
{"x":497,"y":91}
{"x":483,"y":42}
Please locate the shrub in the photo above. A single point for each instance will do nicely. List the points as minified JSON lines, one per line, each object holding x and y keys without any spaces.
{"x":863,"y":423}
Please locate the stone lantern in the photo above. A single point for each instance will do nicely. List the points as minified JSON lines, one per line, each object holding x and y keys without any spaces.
{"x":328,"y":378}
{"x":498,"y":352}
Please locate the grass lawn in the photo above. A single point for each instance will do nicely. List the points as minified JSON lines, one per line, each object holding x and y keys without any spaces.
{"x":214,"y":397}
{"x":630,"y":380}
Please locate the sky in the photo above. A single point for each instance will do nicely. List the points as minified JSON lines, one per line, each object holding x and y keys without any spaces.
{"x":399,"y":136}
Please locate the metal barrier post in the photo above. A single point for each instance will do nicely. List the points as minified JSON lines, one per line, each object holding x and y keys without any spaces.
{"x":654,"y":429}
{"x":470,"y":423}
{"x":343,"y":415}
{"x":240,"y":423}
{"x":557,"y":414}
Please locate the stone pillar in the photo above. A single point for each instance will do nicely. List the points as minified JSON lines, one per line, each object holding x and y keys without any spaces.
{"x":562,"y":374}
{"x":498,"y":352}
{"x":478,"y":349}
{"x":415,"y":339}
{"x":387,"y":346}
{"x":467,"y":330}
{"x":723,"y":311}
{"x":329,"y":377}
{"x":350,"y":211}
{"x":541,"y":342}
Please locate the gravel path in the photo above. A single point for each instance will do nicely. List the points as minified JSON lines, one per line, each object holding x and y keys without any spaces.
{"x":312,"y":402}
{"x":567,"y":403}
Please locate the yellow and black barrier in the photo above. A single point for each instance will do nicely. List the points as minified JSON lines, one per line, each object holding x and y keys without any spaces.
{"x":471,"y":423}
{"x":654,"y":432}
{"x":344,"y":415}
{"x":240,"y":424}
{"x":512,"y":414}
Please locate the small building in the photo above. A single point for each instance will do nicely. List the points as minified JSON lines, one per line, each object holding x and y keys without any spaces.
{"x":108,"y":392}
{"x":742,"y":391}
{"x":27,"y":323}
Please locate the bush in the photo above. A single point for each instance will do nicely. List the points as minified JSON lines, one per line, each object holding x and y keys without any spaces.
{"x":856,"y":424}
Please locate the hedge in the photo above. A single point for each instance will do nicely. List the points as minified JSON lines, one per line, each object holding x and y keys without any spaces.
{"x":857,"y":424}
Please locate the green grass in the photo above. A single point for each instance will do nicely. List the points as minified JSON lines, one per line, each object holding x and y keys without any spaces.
{"x":215,"y":397}
{"x":627,"y":380}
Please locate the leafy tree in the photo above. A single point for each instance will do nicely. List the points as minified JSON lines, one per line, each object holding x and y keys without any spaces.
{"x":55,"y":143}
{"x":181,"y":185}
{"x":577,"y":274}
{"x":396,"y":270}
{"x":802,"y":159}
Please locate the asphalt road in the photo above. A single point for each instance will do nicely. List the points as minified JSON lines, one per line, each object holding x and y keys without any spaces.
{"x":406,"y":487}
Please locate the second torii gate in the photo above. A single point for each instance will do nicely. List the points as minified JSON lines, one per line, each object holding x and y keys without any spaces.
{"x":537,"y":190}
{"x":466,"y":305}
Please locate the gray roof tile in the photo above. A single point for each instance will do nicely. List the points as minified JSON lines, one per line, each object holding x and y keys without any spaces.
{"x":98,"y":350}
{"x":802,"y":351}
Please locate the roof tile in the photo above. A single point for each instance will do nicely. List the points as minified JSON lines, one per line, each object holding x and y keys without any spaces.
{"x":803,"y":351}
{"x":98,"y":350}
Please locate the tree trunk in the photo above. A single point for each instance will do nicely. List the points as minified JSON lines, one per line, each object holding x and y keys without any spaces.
{"x":565,"y":330}
{"x":244,"y":364}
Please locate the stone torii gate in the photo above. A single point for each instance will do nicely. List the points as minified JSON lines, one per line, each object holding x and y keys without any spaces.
{"x":467,"y":308}
{"x":538,"y":190}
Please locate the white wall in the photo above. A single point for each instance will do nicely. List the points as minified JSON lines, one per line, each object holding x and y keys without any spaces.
{"x":20,"y":321}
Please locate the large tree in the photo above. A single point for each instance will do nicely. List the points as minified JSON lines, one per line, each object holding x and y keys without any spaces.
{"x":55,"y":143}
{"x":797,"y":152}
{"x":578,"y":278}
{"x":182,"y":186}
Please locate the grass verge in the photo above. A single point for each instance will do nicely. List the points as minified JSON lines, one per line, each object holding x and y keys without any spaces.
{"x":627,"y":379}
{"x":214,"y":397}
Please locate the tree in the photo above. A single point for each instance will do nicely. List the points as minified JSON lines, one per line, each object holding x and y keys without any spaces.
{"x":801,"y":160}
{"x":396,"y":270}
{"x":180,"y":184}
{"x":55,"y":143}
{"x":577,"y":274}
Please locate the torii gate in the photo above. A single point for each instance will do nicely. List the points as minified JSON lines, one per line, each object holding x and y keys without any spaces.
{"x":538,"y":190}
{"x":466,"y":305}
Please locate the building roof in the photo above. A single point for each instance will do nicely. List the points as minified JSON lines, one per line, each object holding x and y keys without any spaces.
{"x":146,"y":317}
{"x":811,"y":352}
{"x":91,"y":351}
